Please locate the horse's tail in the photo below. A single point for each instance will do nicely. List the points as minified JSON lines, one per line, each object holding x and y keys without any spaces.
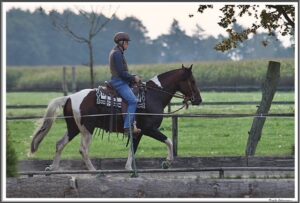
{"x":49,"y":118}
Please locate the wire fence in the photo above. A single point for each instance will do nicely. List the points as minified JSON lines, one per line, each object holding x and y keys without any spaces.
{"x":271,"y":115}
{"x":172,"y":104}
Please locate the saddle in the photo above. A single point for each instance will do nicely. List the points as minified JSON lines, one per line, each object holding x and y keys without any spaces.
{"x":110,"y":90}
{"x":107,"y":96}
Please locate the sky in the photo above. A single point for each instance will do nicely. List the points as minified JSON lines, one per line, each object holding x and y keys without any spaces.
{"x":156,"y":17}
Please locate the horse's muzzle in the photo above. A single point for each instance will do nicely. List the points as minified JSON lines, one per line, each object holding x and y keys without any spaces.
{"x":196,"y":101}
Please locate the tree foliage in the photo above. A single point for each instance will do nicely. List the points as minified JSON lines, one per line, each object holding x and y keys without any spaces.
{"x":32,"y":40}
{"x":272,"y":18}
{"x":11,"y":157}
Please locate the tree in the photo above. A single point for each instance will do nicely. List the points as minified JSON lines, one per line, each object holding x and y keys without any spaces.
{"x":273,"y":18}
{"x":95,"y":21}
{"x":139,"y":44}
{"x":32,"y":40}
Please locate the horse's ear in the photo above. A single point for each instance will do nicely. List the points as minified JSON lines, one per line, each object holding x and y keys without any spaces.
{"x":190,"y":68}
{"x":182,"y":66}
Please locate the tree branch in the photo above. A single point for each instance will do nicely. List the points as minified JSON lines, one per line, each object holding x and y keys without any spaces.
{"x":290,"y":22}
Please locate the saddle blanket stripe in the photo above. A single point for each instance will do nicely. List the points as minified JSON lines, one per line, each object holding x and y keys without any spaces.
{"x":108,"y":100}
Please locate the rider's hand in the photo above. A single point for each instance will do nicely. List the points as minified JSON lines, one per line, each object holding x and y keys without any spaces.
{"x":137,"y":79}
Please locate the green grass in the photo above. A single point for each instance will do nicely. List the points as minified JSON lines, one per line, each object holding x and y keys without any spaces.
{"x":31,"y":98}
{"x":197,"y":136}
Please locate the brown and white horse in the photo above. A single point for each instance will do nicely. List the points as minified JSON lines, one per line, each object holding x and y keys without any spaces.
{"x":80,"y":109}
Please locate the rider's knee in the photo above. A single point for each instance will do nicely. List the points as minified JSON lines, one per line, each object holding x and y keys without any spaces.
{"x":133,"y":101}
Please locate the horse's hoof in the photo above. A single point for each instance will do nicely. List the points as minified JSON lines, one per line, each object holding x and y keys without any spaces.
{"x":134,"y":175}
{"x":51,"y":168}
{"x":166,"y":164}
{"x":100,"y":175}
{"x":91,"y":168}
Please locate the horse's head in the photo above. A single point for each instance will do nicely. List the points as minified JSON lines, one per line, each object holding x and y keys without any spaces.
{"x":188,"y":86}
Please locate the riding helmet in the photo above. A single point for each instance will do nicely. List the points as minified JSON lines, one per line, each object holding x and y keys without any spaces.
{"x":121,"y":36}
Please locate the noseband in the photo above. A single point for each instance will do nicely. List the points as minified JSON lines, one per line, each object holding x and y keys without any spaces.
{"x":192,"y":97}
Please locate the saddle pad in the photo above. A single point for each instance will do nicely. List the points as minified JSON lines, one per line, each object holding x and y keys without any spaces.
{"x":108,"y":100}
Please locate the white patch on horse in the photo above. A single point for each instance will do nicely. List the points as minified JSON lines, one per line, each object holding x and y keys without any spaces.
{"x":169,"y":144}
{"x":128,"y":165}
{"x":156,"y":81}
{"x":76,"y":100}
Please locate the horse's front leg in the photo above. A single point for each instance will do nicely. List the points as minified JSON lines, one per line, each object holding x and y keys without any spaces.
{"x":156,"y":134}
{"x":136,"y":141}
{"x":169,"y":144}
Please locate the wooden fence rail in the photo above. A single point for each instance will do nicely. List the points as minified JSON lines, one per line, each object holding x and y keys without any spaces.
{"x":65,"y":186}
{"x":220,"y":170}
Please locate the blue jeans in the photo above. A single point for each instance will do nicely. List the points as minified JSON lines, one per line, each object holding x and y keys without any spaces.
{"x":126,"y":93}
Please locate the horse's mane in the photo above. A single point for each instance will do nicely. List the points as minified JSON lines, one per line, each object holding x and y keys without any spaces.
{"x":171,"y":74}
{"x":184,"y":73}
{"x":166,"y":74}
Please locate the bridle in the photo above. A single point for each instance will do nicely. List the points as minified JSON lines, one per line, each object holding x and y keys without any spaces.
{"x":192,"y":97}
{"x":186,"y":99}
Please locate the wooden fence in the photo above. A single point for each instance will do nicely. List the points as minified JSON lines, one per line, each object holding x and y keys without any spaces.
{"x":244,"y":177}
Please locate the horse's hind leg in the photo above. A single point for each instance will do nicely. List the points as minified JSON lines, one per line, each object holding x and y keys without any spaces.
{"x":86,"y":140}
{"x":69,"y":135}
{"x":59,"y":148}
{"x":60,"y":145}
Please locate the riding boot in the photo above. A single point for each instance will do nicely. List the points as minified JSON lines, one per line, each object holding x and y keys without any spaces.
{"x":134,"y":130}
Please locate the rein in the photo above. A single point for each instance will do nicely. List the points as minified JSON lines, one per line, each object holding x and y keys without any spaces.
{"x":177,"y":95}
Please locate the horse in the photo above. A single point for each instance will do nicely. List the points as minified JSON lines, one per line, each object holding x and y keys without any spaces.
{"x":79,"y":109}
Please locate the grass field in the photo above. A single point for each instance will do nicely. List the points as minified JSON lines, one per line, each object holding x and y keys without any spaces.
{"x":197,"y":136}
{"x":207,"y":74}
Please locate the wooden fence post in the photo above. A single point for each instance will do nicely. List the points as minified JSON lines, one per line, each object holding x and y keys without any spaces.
{"x":74,"y":78}
{"x":64,"y":82}
{"x":268,"y":90}
{"x":175,"y":134}
{"x":169,"y":107}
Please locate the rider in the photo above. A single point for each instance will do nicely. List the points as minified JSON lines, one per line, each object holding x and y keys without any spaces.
{"x":121,"y":80}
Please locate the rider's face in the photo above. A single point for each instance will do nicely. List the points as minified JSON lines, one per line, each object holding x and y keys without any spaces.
{"x":126,"y":44}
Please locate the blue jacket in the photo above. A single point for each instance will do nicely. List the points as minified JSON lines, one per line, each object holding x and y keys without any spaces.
{"x":118,"y":65}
